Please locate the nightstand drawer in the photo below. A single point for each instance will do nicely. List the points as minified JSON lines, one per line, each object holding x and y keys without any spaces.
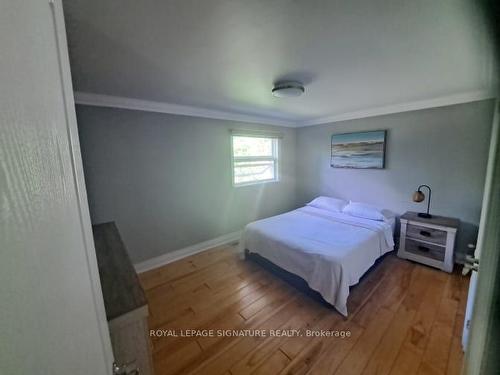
{"x":424,"y":249}
{"x":427,"y":234}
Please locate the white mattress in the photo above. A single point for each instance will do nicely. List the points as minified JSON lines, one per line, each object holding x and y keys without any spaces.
{"x":331,"y":251}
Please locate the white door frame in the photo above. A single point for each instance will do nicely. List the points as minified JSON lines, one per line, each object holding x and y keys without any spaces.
{"x":476,"y":359}
{"x":77,"y":166}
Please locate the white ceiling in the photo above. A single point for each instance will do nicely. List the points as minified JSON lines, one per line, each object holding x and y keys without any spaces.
{"x":224,"y":55}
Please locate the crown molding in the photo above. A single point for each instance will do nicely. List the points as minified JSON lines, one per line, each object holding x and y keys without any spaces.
{"x":441,"y":101}
{"x":110,"y":101}
{"x":100,"y":100}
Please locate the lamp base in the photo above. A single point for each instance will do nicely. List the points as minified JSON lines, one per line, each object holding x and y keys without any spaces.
{"x":424,"y":215}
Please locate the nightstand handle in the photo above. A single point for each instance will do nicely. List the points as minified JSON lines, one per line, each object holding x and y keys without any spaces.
{"x":423,"y":248}
{"x":425,"y":233}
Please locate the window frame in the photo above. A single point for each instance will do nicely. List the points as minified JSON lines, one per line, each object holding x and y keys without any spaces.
{"x":275,"y":158}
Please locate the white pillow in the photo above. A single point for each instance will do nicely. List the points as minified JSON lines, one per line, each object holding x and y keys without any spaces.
{"x":328,"y":203}
{"x":365,"y":211}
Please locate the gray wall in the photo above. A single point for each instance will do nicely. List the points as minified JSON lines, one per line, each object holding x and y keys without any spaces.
{"x":445,"y":147}
{"x":166,"y":179}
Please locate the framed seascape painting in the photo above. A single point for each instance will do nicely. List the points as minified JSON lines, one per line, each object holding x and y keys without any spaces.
{"x":363,"y":150}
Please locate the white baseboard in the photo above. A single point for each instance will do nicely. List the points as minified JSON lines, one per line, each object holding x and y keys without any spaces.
{"x":186,"y":251}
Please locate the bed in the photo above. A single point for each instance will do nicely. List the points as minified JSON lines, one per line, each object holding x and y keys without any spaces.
{"x":329,"y":250}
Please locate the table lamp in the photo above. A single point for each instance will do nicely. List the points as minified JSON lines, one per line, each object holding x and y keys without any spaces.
{"x":419,"y":196}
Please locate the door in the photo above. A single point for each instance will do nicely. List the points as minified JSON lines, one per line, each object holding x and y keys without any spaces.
{"x":52,"y":319}
{"x":470,"y":299}
{"x":480,"y":320}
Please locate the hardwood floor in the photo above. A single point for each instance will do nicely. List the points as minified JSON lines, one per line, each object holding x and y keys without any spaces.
{"x":404,"y":318}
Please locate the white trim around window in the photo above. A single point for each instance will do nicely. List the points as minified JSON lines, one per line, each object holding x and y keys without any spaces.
{"x":256,"y":163}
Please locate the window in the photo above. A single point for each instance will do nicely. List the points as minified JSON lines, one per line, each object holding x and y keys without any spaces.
{"x":254,"y":159}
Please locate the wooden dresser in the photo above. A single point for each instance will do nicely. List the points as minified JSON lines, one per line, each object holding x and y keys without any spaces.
{"x":125,"y":303}
{"x":428,"y":241}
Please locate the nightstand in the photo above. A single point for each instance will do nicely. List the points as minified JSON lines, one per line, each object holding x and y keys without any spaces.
{"x":428,"y":241}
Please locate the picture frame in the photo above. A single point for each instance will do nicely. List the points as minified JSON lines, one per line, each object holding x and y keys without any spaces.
{"x":359,"y":150}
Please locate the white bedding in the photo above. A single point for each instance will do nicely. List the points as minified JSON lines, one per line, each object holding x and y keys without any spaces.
{"x":331,"y":251}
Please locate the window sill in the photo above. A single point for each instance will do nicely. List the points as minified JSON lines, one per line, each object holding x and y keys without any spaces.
{"x":264,"y":182}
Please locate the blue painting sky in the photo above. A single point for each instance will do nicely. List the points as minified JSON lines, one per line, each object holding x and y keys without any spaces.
{"x":358,"y":137}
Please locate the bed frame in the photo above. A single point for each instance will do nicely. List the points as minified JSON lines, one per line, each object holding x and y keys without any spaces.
{"x":297,"y":281}
{"x":292,"y":279}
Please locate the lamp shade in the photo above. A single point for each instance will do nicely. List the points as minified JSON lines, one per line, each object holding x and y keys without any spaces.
{"x":418,"y":196}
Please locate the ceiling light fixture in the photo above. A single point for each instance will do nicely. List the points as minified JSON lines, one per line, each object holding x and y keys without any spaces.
{"x":287,"y":89}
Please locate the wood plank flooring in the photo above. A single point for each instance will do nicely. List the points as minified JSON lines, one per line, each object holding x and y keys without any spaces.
{"x":404,"y":318}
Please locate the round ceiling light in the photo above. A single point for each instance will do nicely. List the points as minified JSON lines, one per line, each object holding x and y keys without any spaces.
{"x":288,"y":89}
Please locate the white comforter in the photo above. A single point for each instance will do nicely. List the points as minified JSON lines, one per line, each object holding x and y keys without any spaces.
{"x":331,"y":251}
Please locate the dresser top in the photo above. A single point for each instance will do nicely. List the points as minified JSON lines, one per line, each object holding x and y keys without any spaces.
{"x":443,"y":221}
{"x":121,"y":289}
